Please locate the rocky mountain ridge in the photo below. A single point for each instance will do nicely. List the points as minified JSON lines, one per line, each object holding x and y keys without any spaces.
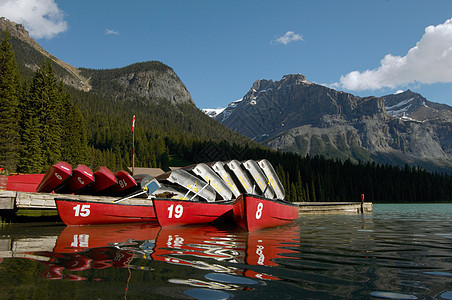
{"x":151,"y":80}
{"x":412,"y":106}
{"x":71,"y":76}
{"x":148,"y":80}
{"x":296,"y":115}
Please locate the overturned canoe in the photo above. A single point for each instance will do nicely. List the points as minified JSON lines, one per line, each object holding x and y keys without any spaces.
{"x":126,"y":184}
{"x":55,"y":176}
{"x":219,"y":168}
{"x":236,"y":167}
{"x":273,"y":178}
{"x":206,"y":173}
{"x":81,"y":177}
{"x":191,"y":183}
{"x":259,"y":178}
{"x":103,"y":179}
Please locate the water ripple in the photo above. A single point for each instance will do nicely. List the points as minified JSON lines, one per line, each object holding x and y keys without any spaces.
{"x":392,"y":295}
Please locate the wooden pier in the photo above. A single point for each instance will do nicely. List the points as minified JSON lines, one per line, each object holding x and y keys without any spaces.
{"x":11,"y":200}
{"x":335,"y":207}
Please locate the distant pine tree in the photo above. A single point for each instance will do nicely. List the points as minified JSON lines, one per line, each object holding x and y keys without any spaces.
{"x":9,"y":106}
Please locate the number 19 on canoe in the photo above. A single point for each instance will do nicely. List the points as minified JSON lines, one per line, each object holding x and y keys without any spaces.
{"x":82,"y":210}
{"x":177,"y":210}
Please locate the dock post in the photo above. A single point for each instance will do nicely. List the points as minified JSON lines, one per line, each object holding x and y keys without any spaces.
{"x":362,"y":203}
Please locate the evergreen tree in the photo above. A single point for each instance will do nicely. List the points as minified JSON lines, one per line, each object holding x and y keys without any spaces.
{"x":74,"y":145}
{"x":9,"y":106}
{"x":43,"y":104}
{"x":31,"y":158}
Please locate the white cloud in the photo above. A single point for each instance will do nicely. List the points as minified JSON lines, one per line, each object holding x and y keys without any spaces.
{"x":430,"y":61}
{"x":288,"y":37}
{"x":42,"y":18}
{"x":111,"y":32}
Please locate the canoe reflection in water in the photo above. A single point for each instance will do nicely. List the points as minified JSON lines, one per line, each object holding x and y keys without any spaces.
{"x":80,"y":248}
{"x":229,"y":259}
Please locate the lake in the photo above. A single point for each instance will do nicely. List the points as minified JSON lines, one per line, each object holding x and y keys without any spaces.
{"x":397,"y":252}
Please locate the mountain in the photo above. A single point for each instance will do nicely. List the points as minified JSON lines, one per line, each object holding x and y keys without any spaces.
{"x":150,"y":80}
{"x":168,"y":124}
{"x":30,"y":55}
{"x":299,"y":116}
{"x":413,"y":107}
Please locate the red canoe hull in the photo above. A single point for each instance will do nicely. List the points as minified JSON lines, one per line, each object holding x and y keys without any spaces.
{"x":103,"y":179}
{"x":81,"y":212}
{"x":81,"y":177}
{"x":175,"y":212}
{"x":126,"y":184}
{"x":55,"y":176}
{"x":253,"y":212}
{"x":24,"y":183}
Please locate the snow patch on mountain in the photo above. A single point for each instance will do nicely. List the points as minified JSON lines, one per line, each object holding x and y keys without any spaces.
{"x":213,"y":112}
{"x":399,"y":110}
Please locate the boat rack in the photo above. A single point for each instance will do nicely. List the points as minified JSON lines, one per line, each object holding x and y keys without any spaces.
{"x":222,"y":181}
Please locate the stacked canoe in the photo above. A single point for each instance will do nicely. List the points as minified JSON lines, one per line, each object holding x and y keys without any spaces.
{"x":221,"y":181}
{"x":63,"y":179}
{"x":204,"y":181}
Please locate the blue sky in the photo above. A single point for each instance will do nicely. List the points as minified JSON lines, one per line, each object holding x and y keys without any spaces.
{"x":219,"y":48}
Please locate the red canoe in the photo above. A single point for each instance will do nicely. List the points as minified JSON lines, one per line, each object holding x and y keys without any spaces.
{"x":81,"y":177}
{"x":126,"y":184}
{"x":24,"y":182}
{"x":253,"y":212}
{"x":175,"y":212}
{"x":55,"y":176}
{"x":105,"y":211}
{"x":103,"y":179}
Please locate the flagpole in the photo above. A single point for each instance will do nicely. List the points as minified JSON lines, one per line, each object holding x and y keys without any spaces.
{"x":133,"y":145}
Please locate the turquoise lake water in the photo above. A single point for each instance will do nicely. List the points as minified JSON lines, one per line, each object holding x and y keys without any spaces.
{"x":397,"y":252}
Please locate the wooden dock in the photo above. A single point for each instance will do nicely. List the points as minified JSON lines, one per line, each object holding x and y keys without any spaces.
{"x":11,"y":200}
{"x":335,"y":207}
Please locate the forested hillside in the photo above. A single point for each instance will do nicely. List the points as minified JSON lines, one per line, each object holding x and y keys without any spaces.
{"x":43,"y":121}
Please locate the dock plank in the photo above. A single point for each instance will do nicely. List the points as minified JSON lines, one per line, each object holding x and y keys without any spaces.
{"x":7,"y":199}
{"x":335,"y":207}
{"x":35,"y":200}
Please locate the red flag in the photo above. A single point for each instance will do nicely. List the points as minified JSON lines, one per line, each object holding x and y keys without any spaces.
{"x":133,"y":123}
